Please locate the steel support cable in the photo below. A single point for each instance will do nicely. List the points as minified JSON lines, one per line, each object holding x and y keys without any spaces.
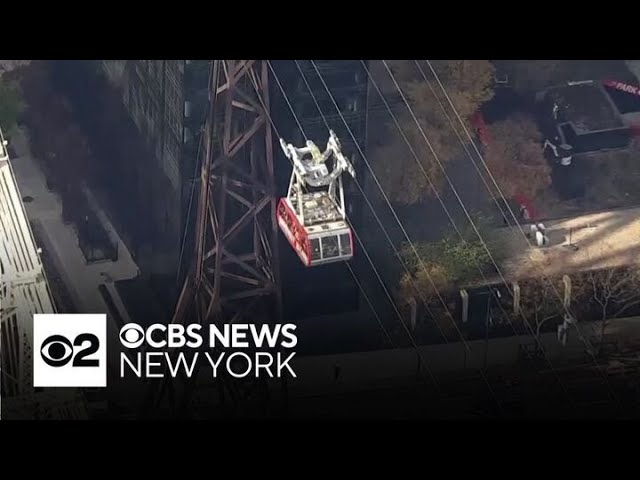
{"x":466,"y":149}
{"x":455,"y":192}
{"x":388,"y":294}
{"x":488,"y":170}
{"x":437,"y":195}
{"x":390,"y":208}
{"x":433,"y":188}
{"x":275,"y":76}
{"x":366,"y":297}
{"x":378,"y":219}
{"x":193,"y":184}
{"x":375,"y":313}
{"x":451,"y":219}
{"x":439,"y":198}
{"x":397,"y":253}
{"x":191,"y":195}
{"x":491,"y":176}
{"x":398,"y":220}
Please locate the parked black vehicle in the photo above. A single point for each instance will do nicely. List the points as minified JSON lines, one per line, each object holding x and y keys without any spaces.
{"x":579,"y":118}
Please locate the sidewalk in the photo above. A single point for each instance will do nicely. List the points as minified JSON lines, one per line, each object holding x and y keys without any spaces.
{"x":83,"y":281}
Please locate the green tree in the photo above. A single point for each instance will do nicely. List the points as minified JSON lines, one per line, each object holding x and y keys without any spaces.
{"x":445,"y":264}
{"x":420,"y":283}
{"x":468,"y":84}
{"x":11,"y":105}
{"x":515,"y":157}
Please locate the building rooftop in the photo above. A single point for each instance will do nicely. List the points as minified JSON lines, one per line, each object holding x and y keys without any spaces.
{"x":587,"y":106}
{"x":587,"y":242}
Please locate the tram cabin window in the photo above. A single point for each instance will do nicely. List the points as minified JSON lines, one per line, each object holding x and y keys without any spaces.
{"x":345,"y":244}
{"x":315,"y":249}
{"x":330,"y":247}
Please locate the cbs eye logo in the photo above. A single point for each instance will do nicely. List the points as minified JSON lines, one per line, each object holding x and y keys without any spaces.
{"x":72,"y":350}
{"x":57,"y":351}
{"x":132,"y":335}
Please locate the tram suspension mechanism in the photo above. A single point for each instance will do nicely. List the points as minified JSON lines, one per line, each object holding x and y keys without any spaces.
{"x":312,"y":215}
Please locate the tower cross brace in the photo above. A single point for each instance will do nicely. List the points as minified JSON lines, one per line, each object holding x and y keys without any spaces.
{"x":234,"y":274}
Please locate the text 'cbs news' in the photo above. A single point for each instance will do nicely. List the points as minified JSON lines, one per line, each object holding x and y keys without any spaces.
{"x":72,"y":350}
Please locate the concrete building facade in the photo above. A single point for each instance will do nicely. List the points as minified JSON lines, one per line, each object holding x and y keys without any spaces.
{"x":166,"y":100}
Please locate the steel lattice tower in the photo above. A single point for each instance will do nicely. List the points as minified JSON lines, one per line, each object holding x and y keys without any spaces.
{"x":234,"y":275}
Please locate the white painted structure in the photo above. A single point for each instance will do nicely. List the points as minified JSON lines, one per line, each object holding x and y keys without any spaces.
{"x":23,"y":292}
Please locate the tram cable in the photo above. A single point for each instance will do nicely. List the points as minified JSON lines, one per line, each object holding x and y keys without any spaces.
{"x":402,"y":261}
{"x":446,"y":309}
{"x":375,"y":269}
{"x":450,"y":183}
{"x":400,"y":223}
{"x":437,"y":195}
{"x":368,"y":300}
{"x":506,"y":203}
{"x":431,"y":281}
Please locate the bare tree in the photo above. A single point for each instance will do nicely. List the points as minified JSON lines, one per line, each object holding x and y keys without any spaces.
{"x":612,"y":291}
{"x":539,"y":303}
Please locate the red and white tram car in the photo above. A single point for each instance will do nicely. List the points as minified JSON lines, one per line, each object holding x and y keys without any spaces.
{"x":312,"y":215}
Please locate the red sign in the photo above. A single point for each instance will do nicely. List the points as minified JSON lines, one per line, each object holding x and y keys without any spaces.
{"x":630,"y":89}
{"x":623,"y":87}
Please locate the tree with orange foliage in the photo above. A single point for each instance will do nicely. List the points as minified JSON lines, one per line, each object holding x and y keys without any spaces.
{"x":468,"y":84}
{"x":515,"y":157}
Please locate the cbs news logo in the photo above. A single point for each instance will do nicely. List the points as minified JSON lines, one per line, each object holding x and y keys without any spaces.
{"x":70,"y":350}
